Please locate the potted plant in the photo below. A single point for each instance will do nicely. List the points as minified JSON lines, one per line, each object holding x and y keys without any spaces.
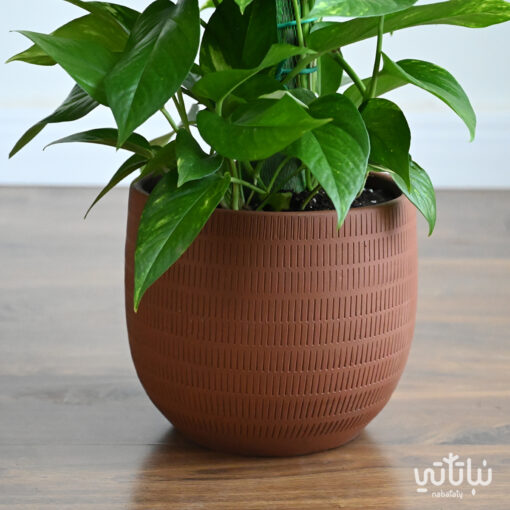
{"x":271,"y":279}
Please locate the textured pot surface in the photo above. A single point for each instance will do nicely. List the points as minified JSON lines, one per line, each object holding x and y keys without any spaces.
{"x":275,"y":333}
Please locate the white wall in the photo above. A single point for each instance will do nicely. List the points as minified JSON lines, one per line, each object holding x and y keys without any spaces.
{"x":478,"y":58}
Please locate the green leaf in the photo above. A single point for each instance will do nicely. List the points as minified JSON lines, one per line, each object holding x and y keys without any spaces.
{"x":427,"y":76}
{"x":437,"y":81}
{"x":107,"y":136}
{"x":279,"y":201}
{"x":421,"y":193}
{"x":170,"y":222}
{"x":165,"y":160}
{"x":257,"y":86}
{"x":87,"y":62}
{"x":305,"y":96}
{"x":390,"y":136}
{"x":217,"y":85}
{"x":288,"y":179}
{"x":123,"y":16}
{"x":359,"y":8}
{"x":466,"y":13}
{"x":329,"y":75}
{"x":132,"y":164}
{"x":192,"y":162}
{"x":337,"y":153}
{"x":257,"y":130}
{"x":238,"y":41}
{"x":162,"y":140}
{"x":243,"y":4}
{"x":77,"y":105}
{"x":87,"y":28}
{"x":157,"y":59}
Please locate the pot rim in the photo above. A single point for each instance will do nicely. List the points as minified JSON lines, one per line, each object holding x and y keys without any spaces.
{"x":137,"y":186}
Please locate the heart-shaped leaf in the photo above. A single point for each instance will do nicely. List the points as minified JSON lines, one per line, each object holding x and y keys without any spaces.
{"x":437,"y":81}
{"x":87,"y":62}
{"x":427,"y":76}
{"x":107,"y":136}
{"x":257,"y":130}
{"x":158,"y":57}
{"x":390,"y":136}
{"x":167,"y":227}
{"x":359,"y":8}
{"x":337,"y":153}
{"x":77,"y":105}
{"x":421,"y":193}
{"x":192,"y":162}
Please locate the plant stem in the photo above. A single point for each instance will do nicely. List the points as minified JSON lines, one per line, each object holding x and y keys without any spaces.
{"x":168,"y":117}
{"x":178,"y":108}
{"x":299,"y":26}
{"x":300,"y":66}
{"x":310,"y":196}
{"x":256,"y":177}
{"x":235,"y":186}
{"x":254,"y":173}
{"x":242,"y":182}
{"x":350,"y":72}
{"x":377,"y":63}
{"x":299,"y":30}
{"x":185,"y":119}
{"x":182,"y":113}
{"x":305,"y":11}
{"x":307,"y":5}
{"x":219,"y":107}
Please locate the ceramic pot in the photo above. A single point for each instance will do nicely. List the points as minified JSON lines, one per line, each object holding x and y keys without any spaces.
{"x":275,"y":333}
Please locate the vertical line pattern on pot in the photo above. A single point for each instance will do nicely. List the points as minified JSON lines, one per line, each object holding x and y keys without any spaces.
{"x":277,"y":334}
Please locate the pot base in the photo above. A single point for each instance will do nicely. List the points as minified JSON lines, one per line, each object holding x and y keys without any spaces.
{"x":274,"y":448}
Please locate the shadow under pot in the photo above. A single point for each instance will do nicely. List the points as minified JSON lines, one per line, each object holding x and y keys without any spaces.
{"x":277,"y":334}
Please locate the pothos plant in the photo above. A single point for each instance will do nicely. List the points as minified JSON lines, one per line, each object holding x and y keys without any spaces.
{"x":265,"y":85}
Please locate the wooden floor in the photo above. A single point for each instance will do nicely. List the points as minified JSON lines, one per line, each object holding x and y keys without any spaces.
{"x":77,"y":431}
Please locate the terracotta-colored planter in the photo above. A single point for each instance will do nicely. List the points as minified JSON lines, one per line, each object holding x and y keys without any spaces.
{"x":276,"y":334}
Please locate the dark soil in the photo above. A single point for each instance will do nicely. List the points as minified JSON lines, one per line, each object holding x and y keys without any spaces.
{"x":376,"y":192}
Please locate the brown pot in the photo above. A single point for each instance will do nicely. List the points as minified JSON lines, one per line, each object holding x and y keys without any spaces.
{"x":275,"y":333}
